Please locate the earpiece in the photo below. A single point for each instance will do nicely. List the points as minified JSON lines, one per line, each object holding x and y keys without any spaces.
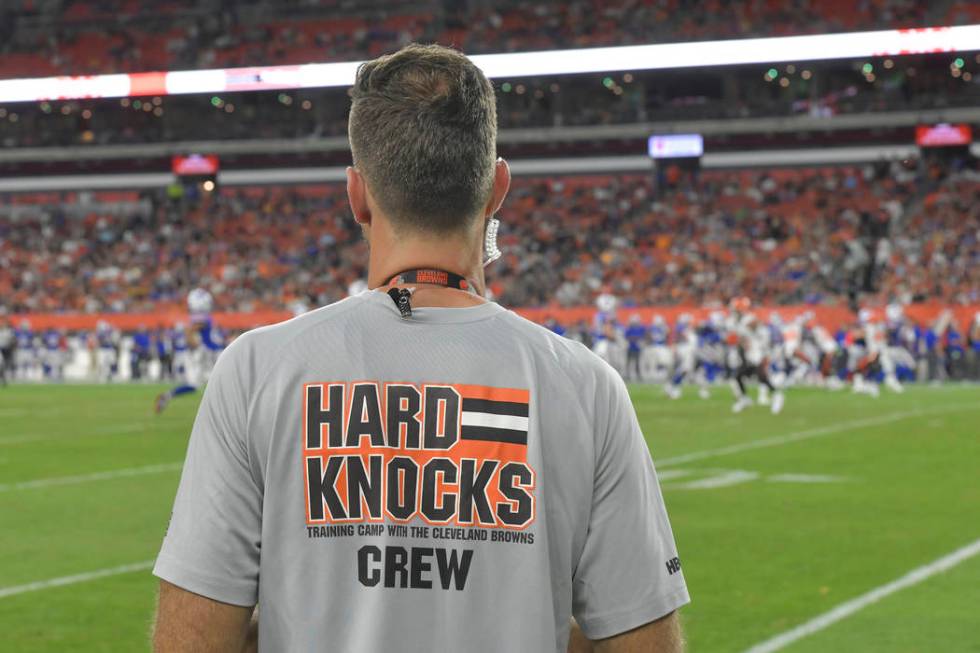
{"x":490,"y":250}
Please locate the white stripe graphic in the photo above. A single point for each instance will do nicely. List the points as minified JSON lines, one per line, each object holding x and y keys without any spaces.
{"x":86,"y":478}
{"x":490,"y":420}
{"x":848,"y":608}
{"x":71,"y":580}
{"x":809,"y":433}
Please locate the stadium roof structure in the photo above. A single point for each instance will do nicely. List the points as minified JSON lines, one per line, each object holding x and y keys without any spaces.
{"x":817,"y":47}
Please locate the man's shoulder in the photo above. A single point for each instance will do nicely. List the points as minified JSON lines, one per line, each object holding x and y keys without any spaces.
{"x":266,"y":341}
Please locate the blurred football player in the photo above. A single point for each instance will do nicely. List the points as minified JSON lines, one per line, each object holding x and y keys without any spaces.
{"x":53,"y":357}
{"x":553,"y":325}
{"x":203,"y":352}
{"x":635,"y":335}
{"x":656,"y":359}
{"x":609,"y":343}
{"x":164,"y":351}
{"x":900,"y":345}
{"x":685,"y":359}
{"x":8,"y":342}
{"x":798,"y":361}
{"x":973,"y":340}
{"x":107,"y":352}
{"x":180,"y":346}
{"x":870,"y":359}
{"x":140,"y":353}
{"x":711,"y":350}
{"x":748,"y":337}
{"x":25,"y":356}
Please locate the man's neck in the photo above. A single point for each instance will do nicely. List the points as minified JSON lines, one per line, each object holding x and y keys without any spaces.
{"x":453,"y":254}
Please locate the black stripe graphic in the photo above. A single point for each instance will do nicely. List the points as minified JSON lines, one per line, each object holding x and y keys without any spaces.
{"x":495,"y":407}
{"x":493,"y":434}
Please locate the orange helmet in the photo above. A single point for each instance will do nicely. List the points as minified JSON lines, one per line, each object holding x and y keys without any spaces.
{"x":741,"y":304}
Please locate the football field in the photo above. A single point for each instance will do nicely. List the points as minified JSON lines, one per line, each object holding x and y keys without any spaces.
{"x":844,"y":524}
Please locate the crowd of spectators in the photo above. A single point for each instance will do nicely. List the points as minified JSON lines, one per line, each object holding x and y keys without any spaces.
{"x":937,"y":253}
{"x":99,"y":36}
{"x":818,"y":236}
{"x":252,"y":248}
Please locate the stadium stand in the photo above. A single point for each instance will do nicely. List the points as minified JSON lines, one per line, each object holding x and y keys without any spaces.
{"x":820,"y":89}
{"x":788,"y":236}
{"x":69,"y":37}
{"x":892,"y":231}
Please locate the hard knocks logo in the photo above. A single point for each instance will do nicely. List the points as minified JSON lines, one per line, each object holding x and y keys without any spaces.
{"x":396,"y":452}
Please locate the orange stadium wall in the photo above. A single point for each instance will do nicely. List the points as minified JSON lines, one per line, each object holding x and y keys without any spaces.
{"x":830,"y":317}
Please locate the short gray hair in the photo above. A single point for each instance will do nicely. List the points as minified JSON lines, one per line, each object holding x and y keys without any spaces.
{"x":423,"y":132}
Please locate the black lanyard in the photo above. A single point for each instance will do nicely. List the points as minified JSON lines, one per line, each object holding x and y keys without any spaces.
{"x":431,"y":276}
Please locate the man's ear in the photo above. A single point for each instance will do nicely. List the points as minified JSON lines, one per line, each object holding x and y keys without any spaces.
{"x":357,"y":195}
{"x":501,"y":184}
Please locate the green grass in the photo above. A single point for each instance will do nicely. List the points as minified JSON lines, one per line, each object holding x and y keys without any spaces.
{"x":760,"y":556}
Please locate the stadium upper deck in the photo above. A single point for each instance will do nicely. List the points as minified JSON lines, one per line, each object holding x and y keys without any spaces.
{"x":84,"y":37}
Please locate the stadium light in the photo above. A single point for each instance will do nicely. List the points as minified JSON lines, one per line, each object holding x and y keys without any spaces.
{"x":815,"y":47}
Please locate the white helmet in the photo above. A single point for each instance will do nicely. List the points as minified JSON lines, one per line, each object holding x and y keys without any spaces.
{"x":199,"y":301}
{"x":864,"y":316}
{"x":606,"y":302}
{"x":893,"y":312}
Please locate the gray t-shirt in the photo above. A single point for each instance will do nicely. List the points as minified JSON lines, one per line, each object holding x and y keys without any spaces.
{"x":463,"y":480}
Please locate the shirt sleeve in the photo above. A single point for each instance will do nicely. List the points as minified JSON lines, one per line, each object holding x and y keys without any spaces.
{"x":628,"y":573}
{"x":212,"y":543}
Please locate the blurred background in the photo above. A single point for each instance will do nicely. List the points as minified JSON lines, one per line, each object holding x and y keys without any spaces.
{"x":674,"y":204}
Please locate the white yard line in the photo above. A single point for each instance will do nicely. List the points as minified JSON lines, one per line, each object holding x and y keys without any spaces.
{"x":87,"y":478}
{"x":723,"y":479}
{"x":845,"y":610}
{"x":809,"y":434}
{"x":76,"y":578}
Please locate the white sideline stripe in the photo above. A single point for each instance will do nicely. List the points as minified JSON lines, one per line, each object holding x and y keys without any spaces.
{"x":125,"y":429}
{"x":76,"y":578}
{"x":809,"y":433}
{"x":86,"y":478}
{"x":494,"y":421}
{"x":24,"y":438}
{"x":848,"y":608}
{"x":726,"y":479}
